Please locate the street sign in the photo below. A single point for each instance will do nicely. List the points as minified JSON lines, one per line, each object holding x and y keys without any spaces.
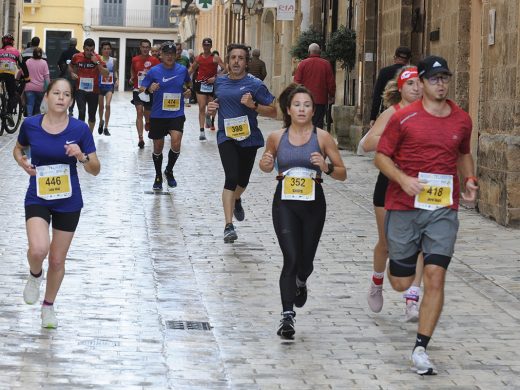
{"x":205,"y":5}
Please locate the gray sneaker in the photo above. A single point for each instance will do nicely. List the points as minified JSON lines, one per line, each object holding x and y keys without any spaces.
{"x":49,"y":319}
{"x":422,"y":363}
{"x":31,"y":292}
{"x":411,"y":312}
{"x":375,"y":297}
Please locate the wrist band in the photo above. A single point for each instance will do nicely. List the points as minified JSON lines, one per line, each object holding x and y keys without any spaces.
{"x":331,"y":169}
{"x":475,"y":180}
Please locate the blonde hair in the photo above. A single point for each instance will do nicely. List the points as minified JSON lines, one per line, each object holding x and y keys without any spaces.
{"x":391,"y":94}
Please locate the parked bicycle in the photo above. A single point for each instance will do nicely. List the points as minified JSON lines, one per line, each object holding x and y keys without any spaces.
{"x":9,"y":122}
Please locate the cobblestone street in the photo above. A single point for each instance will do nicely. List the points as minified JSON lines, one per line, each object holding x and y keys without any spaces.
{"x":143,"y":266}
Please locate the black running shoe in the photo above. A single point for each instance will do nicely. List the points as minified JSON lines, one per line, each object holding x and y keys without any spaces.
{"x":140,"y":144}
{"x":286,"y":327}
{"x":170,"y":179}
{"x":100,"y":128}
{"x":238,"y":211}
{"x":229,"y":234}
{"x":157,"y":184}
{"x":106,"y":132}
{"x":301,"y":296}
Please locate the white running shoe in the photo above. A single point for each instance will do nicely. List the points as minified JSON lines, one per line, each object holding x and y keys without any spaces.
{"x":422,"y":363}
{"x":375,"y":297}
{"x":411,"y":312}
{"x":49,"y":319}
{"x":31,"y":292}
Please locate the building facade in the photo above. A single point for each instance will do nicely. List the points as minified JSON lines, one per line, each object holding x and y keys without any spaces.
{"x":124,"y":23}
{"x":54,"y":22}
{"x":480,"y":40}
{"x":11,"y":16}
{"x":257,"y":27}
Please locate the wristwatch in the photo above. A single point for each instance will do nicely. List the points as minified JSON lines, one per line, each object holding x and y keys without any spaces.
{"x":256,"y":106}
{"x":86,"y":159}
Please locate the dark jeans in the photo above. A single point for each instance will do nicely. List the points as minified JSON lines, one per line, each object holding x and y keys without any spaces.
{"x":10,"y":85}
{"x":319,"y":113}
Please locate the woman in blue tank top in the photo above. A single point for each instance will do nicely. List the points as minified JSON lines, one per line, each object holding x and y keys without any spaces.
{"x":299,"y":151}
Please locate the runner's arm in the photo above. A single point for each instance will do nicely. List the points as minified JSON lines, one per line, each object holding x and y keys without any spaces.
{"x":22,"y":160}
{"x":466,"y":168}
{"x":339,"y":172}
{"x":266,"y":163}
{"x":23,"y":67}
{"x":374,"y":134}
{"x":193,"y":67}
{"x":410,"y":185}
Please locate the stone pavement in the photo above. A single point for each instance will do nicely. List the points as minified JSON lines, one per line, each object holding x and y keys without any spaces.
{"x":144,"y":268}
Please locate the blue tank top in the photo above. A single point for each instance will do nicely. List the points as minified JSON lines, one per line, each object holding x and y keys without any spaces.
{"x":289,"y":156}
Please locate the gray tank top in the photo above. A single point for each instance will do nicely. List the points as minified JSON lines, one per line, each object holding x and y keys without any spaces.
{"x":289,"y":156}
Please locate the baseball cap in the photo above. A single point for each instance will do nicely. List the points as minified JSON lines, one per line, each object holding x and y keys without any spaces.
{"x":432,"y":65}
{"x":207,"y":41}
{"x":168,"y":46}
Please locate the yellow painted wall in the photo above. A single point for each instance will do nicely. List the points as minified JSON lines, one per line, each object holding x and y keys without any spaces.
{"x":55,"y":15}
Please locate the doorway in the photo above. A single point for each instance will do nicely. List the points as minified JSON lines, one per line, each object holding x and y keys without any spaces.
{"x":55,"y":43}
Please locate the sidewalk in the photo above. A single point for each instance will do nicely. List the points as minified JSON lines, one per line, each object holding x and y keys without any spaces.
{"x":144,"y":268}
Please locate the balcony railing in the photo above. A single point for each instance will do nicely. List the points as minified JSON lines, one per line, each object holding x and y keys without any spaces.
{"x":118,"y":17}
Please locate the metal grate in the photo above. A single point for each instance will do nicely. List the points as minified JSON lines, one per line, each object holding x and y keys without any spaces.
{"x":156,"y":192}
{"x":188,"y":325}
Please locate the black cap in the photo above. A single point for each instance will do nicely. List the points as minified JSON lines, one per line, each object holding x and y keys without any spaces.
{"x":168,"y":46}
{"x":403,"y":52}
{"x":207,"y":40}
{"x":432,"y":65}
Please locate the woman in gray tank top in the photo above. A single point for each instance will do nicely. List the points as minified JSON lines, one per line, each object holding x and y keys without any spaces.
{"x":299,"y":151}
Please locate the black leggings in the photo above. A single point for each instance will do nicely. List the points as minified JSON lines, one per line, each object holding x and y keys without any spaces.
{"x":10,"y":85}
{"x":237,"y":162}
{"x":298,"y":226}
{"x":82,"y":98}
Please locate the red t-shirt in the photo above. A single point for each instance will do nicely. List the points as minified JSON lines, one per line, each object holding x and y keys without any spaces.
{"x":417,"y":141}
{"x":87,"y":71}
{"x":207,"y":68}
{"x":141,"y":65}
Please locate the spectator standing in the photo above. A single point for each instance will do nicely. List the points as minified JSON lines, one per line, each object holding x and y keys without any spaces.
{"x":401,"y":58}
{"x":315,"y":73}
{"x":34,"y":89}
{"x":256,"y":66}
{"x":28,"y":52}
{"x":63,"y":64}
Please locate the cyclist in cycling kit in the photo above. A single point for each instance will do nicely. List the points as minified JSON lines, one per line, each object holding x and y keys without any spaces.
{"x":10,"y":62}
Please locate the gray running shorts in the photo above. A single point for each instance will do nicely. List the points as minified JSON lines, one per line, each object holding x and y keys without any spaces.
{"x":411,"y":231}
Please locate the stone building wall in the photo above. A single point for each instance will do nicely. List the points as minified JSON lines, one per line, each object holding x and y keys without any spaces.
{"x":499,"y":141}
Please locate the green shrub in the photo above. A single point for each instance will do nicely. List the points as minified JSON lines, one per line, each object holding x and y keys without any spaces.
{"x":342,"y":47}
{"x":300,"y":51}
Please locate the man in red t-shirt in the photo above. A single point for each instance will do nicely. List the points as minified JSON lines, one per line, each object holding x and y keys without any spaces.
{"x":315,"y":74}
{"x":422,"y":149}
{"x":205,"y":67}
{"x":85,"y":68}
{"x":140,"y":65}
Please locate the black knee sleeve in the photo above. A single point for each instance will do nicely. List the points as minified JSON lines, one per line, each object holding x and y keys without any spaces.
{"x":440,"y":260}
{"x":404,"y":267}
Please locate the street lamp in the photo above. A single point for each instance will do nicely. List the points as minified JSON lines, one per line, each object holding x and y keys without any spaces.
{"x":237,"y":7}
{"x":173,"y":16}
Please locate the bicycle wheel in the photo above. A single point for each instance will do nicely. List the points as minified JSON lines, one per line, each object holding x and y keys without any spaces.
{"x":17,"y":119}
